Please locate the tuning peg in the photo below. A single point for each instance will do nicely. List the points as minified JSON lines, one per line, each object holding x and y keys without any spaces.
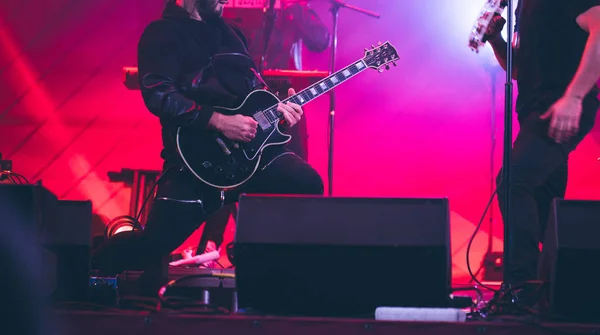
{"x":387,"y":67}
{"x":372,"y":46}
{"x":378,"y":43}
{"x":366,"y":49}
{"x":394,"y":63}
{"x":380,"y":70}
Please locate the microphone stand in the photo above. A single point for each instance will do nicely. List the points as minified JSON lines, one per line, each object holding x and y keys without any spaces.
{"x":493,"y":71}
{"x":506,"y":162}
{"x":506,"y":297}
{"x":267,"y":30}
{"x":336,"y":5}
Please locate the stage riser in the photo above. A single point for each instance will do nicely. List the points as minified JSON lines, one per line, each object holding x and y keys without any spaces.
{"x":115,"y":324}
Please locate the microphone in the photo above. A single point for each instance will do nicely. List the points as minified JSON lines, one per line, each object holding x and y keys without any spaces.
{"x":268,"y":29}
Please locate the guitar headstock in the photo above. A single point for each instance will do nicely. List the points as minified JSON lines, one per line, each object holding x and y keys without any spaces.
{"x":491,"y":7}
{"x":379,"y":57}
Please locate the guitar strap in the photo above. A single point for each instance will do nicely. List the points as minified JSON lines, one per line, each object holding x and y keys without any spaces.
{"x":254,"y":83}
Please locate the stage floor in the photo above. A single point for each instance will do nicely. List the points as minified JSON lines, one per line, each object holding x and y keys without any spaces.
{"x":127,"y":322}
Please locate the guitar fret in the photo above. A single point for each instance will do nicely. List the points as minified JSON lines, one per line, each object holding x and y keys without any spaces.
{"x":327,"y":84}
{"x":317,"y":89}
{"x":306,"y":96}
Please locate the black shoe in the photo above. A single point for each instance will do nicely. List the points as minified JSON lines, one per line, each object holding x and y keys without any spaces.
{"x":514,"y":300}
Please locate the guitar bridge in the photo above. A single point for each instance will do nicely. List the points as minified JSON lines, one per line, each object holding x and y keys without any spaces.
{"x":265,"y":119}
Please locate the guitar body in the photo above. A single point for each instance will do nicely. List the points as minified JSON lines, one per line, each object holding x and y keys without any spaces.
{"x":225,"y":164}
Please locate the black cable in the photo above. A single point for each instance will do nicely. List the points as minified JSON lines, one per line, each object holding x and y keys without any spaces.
{"x":21,"y":178}
{"x":481,"y":266}
{"x":473,"y":276}
{"x":185,"y":302}
{"x":16,"y":178}
{"x":135,"y":221}
{"x":150,"y":194}
{"x":12,"y":180}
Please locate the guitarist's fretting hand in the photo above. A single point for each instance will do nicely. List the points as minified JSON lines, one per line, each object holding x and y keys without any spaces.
{"x":494,"y":30}
{"x":292,"y":112}
{"x":235,"y":127}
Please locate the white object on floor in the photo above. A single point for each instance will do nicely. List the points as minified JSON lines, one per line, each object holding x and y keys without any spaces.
{"x":420,"y":314}
{"x":197,"y":260}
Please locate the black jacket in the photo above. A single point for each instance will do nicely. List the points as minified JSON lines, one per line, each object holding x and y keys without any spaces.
{"x":186,"y":67}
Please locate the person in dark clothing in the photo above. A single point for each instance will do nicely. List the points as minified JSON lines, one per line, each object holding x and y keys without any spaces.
{"x":189,"y":61}
{"x":295,"y":25}
{"x":556,"y":65}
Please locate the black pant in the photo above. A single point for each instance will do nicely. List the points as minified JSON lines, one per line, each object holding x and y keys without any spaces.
{"x":171,"y":221}
{"x":539,"y":170}
{"x":215,"y":225}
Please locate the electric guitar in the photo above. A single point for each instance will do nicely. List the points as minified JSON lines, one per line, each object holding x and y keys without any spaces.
{"x":477,"y":36}
{"x":225,"y":164}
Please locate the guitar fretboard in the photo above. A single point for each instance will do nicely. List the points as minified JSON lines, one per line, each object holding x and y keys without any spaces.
{"x":270,"y":116}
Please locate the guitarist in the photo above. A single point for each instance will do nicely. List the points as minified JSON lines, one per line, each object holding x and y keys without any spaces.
{"x":556,"y":65}
{"x":189,"y":61}
{"x":295,"y":25}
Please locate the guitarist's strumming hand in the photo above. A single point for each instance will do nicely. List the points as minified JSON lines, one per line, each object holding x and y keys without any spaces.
{"x":235,"y":127}
{"x":292,"y":112}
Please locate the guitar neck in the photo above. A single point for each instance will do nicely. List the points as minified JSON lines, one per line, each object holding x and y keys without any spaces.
{"x":376,"y":58}
{"x":327,"y":84}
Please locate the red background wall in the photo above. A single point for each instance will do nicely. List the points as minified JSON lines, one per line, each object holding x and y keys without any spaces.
{"x":423,"y":129}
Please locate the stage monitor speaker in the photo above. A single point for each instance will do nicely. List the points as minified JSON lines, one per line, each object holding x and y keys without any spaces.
{"x":60,"y":230}
{"x":570,"y":262}
{"x":321,"y":256}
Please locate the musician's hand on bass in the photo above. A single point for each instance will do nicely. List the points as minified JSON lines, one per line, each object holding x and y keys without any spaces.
{"x":235,"y":127}
{"x":292,"y":113}
{"x":494,"y":30}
